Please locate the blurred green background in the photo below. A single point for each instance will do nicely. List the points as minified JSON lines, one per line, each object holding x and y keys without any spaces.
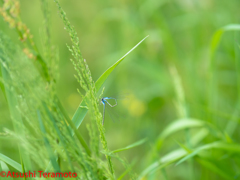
{"x":180,"y":33}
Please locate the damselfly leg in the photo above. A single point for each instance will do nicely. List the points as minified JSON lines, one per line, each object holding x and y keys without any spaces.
{"x":105,"y":101}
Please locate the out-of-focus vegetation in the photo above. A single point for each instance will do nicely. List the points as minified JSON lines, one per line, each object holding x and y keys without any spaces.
{"x":182,"y":82}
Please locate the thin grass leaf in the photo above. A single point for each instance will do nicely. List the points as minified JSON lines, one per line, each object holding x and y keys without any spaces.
{"x":1,"y":84}
{"x":184,"y":147}
{"x":105,"y":75}
{"x":60,"y":136}
{"x":164,"y":161}
{"x":218,"y":36}
{"x":124,"y":174}
{"x":199,"y":136}
{"x":23,"y":169}
{"x":174,"y":155}
{"x":4,"y":167}
{"x":48,"y":147}
{"x":215,"y":145}
{"x":126,"y":171}
{"x":177,"y":125}
{"x":82,"y":111}
{"x":74,"y":129}
{"x":211,"y":64}
{"x":181,"y":124}
{"x":138,"y":143}
{"x":127,"y":166}
{"x":233,"y":123}
{"x":11,"y":162}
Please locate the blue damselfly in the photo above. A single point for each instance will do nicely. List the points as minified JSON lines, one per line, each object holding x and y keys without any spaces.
{"x":105,"y":102}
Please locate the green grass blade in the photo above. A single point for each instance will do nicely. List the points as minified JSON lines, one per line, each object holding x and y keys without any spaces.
{"x":11,"y":162}
{"x":76,"y":132}
{"x":82,"y":110}
{"x":199,"y":136}
{"x":73,"y":128}
{"x":59,"y":135}
{"x":233,"y":123}
{"x":177,"y":125}
{"x":174,"y":155}
{"x":4,"y":167}
{"x":48,"y":147}
{"x":184,"y":147}
{"x":138,"y":143}
{"x":1,"y":84}
{"x":211,"y":64}
{"x":181,"y":124}
{"x":105,"y":75}
{"x":124,"y":174}
{"x":126,"y":171}
{"x":164,"y":161}
{"x":218,"y":36}
{"x":216,"y":145}
{"x":23,"y":168}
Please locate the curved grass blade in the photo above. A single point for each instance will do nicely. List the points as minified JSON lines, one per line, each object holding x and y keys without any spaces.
{"x":138,"y":143}
{"x":178,"y":125}
{"x":105,"y":75}
{"x":211,"y":64}
{"x":11,"y":162}
{"x":174,"y":155}
{"x":216,"y":145}
{"x":82,"y":110}
{"x":4,"y":167}
{"x":233,"y":123}
{"x":218,"y":35}
{"x":164,"y":161}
